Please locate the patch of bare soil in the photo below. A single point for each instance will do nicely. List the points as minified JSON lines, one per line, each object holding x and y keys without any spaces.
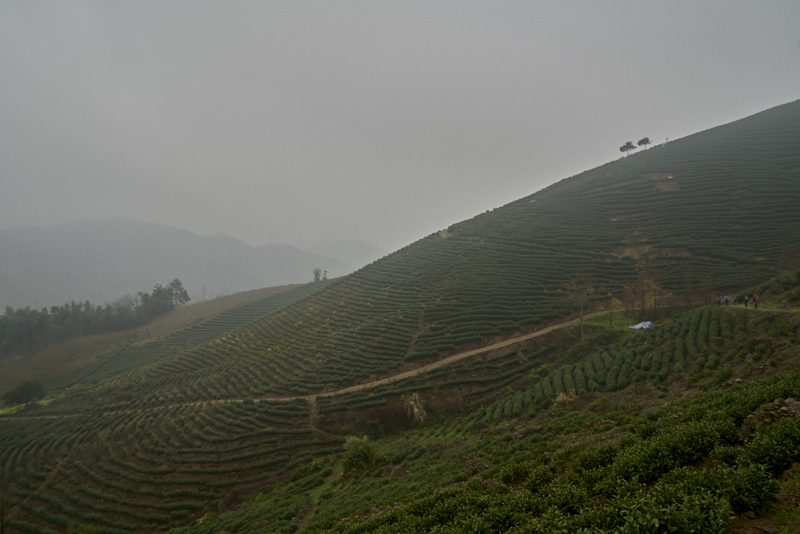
{"x":670,"y":184}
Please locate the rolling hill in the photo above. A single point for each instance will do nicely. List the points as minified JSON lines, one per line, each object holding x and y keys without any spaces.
{"x":100,"y":260}
{"x":565,"y":425}
{"x":89,"y":358}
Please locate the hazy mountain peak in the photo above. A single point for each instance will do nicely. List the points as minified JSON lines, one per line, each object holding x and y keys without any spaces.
{"x":99,"y":260}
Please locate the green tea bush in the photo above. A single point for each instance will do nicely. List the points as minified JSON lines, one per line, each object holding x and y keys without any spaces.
{"x":558,"y":383}
{"x":747,"y":487}
{"x":594,"y":457}
{"x":539,"y":477}
{"x":719,"y":377}
{"x":624,"y":373}
{"x":704,"y":330}
{"x":538,"y":393}
{"x":519,"y":400}
{"x":611,"y":378}
{"x":567,"y":497}
{"x":670,"y":508}
{"x":580,"y":379}
{"x":691,"y":334}
{"x":498,"y":413}
{"x":672,"y":447}
{"x":589,"y":370}
{"x":508,"y":407}
{"x":608,"y":360}
{"x":358,"y":451}
{"x":547,"y":388}
{"x":699,"y":365}
{"x":569,"y":383}
{"x":515,"y":470}
{"x":775,"y":446}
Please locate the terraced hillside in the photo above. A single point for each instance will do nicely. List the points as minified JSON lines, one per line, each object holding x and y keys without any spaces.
{"x":160,"y":467}
{"x":600,"y":463}
{"x":70,"y":354}
{"x":228,"y":317}
{"x":709,"y":212}
{"x":124,"y":472}
{"x":158,"y":445}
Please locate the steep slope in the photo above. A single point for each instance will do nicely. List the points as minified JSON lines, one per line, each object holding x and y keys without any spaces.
{"x":100,"y":260}
{"x":718,"y":206}
{"x":158,"y":446}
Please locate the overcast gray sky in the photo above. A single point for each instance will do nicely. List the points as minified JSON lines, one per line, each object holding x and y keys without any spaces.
{"x":293,"y":122}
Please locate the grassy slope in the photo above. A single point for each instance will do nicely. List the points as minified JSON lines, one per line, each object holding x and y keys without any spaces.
{"x":162,"y":462}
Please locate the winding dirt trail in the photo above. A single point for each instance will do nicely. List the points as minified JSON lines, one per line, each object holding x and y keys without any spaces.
{"x":450,"y":359}
{"x":368,"y":385}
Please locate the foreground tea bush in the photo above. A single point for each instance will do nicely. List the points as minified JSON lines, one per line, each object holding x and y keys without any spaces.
{"x":542,"y":496}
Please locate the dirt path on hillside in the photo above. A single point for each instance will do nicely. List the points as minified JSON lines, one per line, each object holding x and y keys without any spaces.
{"x":368,"y":385}
{"x":450,"y":359}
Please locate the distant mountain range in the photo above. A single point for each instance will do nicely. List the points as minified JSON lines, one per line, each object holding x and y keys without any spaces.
{"x":100,"y":260}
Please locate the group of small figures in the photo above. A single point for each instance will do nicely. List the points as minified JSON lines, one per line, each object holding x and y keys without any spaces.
{"x":744,"y":298}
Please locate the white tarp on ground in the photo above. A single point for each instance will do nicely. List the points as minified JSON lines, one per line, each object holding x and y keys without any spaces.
{"x":646,"y":324}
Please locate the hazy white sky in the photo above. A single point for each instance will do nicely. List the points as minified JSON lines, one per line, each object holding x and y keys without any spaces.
{"x":293,"y":122}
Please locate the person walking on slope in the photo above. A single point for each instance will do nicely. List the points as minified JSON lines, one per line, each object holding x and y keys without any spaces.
{"x":755,"y":301}
{"x":719,"y":300}
{"x":746,"y":300}
{"x":726,"y":300}
{"x":734,"y":299}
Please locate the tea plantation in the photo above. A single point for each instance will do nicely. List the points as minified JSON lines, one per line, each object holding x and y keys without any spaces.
{"x":135,"y":355}
{"x":600,"y":462}
{"x":710,"y":212}
{"x":582,"y":428}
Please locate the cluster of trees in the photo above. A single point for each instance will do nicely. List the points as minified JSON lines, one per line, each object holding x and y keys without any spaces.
{"x":627,"y":147}
{"x":319,"y":274}
{"x":24,"y":392}
{"x":24,"y":330}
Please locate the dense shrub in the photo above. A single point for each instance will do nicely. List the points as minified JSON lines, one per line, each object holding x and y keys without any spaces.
{"x":594,"y":457}
{"x":358,"y":450}
{"x":672,"y":447}
{"x":748,"y":487}
{"x":775,"y":446}
{"x":539,"y":477}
